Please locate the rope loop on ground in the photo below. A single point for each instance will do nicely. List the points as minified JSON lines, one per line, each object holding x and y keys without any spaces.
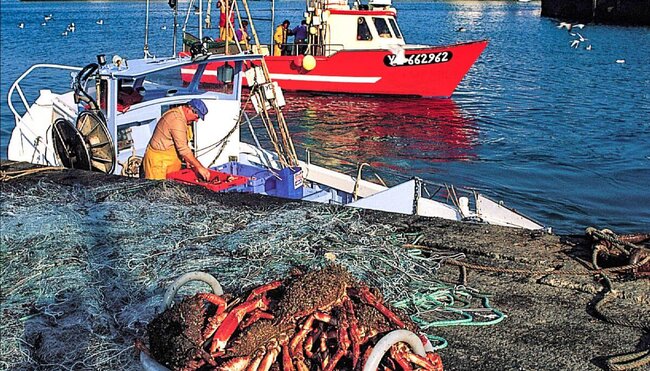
{"x":6,"y":176}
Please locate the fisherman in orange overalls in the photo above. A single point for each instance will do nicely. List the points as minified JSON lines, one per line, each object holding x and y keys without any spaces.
{"x":168,"y":144}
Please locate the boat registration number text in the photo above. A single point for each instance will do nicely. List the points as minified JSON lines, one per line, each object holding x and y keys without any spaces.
{"x":391,"y":60}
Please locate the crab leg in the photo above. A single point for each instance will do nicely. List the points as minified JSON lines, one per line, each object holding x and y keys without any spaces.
{"x":255,"y":363}
{"x":287,"y":365}
{"x":343,"y":341}
{"x":300,"y":363}
{"x":273,"y":349}
{"x":232,"y":320}
{"x":309,"y":342}
{"x":423,"y":362}
{"x":262,"y":289}
{"x":435,"y":360}
{"x":254,"y":316}
{"x":355,"y":336}
{"x":217,"y":318}
{"x":366,"y":296}
{"x":306,"y":327}
{"x":398,"y":354}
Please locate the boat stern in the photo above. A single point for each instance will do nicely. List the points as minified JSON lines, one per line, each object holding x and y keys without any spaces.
{"x":31,"y":139}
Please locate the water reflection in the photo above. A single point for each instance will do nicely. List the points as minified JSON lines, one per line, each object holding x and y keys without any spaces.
{"x":384,"y":132}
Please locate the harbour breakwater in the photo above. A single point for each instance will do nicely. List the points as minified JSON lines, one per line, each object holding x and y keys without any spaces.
{"x":622,"y":12}
{"x":87,"y":258}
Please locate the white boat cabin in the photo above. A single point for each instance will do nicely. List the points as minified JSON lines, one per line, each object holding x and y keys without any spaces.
{"x":335,"y":26}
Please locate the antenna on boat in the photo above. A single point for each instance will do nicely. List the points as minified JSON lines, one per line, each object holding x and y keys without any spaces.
{"x":174,"y":5}
{"x":146,"y":32}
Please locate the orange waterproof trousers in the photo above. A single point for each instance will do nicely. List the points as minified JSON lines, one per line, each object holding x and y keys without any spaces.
{"x":157,"y":164}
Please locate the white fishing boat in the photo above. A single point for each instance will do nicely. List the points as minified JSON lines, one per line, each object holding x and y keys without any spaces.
{"x":105,"y":121}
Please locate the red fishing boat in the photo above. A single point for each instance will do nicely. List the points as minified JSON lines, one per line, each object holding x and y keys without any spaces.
{"x":360,"y":49}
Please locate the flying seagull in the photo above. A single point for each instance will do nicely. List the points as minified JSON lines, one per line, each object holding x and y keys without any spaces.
{"x":21,"y":25}
{"x":100,"y":21}
{"x":48,"y":17}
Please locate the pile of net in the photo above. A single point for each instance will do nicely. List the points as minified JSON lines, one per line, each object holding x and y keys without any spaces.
{"x":320,"y":320}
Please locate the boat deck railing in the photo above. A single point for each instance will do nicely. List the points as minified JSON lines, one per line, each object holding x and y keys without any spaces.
{"x":307,"y":49}
{"x":15,"y":87}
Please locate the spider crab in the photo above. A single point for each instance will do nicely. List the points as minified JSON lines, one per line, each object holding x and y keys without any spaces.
{"x":320,"y":320}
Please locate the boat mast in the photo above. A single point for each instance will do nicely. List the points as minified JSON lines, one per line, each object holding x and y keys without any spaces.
{"x":174,"y":5}
{"x":146,"y":32}
{"x":272,"y":23}
{"x":200,"y":19}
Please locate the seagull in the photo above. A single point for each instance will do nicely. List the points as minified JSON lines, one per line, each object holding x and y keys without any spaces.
{"x":72,"y":27}
{"x":44,"y":24}
{"x":461,"y":29}
{"x":100,"y":21}
{"x":588,"y":47}
{"x":579,"y":25}
{"x":575,"y":43}
{"x":48,"y":17}
{"x":565,"y":25}
{"x":65,"y":33}
{"x":620,"y":61}
{"x":163,"y":27}
{"x":21,"y":25}
{"x":580,"y":37}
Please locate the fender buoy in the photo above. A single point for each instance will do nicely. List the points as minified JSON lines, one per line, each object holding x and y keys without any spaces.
{"x":298,"y":60}
{"x":309,"y":62}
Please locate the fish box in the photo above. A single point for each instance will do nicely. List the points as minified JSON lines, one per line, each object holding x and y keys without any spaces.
{"x":218,"y":181}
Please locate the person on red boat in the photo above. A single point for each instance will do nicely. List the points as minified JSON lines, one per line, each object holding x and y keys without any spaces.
{"x":225,"y":29}
{"x":280,"y":38}
{"x":242,"y":34}
{"x":168,"y":144}
{"x":300,"y":37}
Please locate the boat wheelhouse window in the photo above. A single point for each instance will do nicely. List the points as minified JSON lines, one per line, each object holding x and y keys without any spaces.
{"x":396,"y":30}
{"x":363,"y":31}
{"x":382,"y":27}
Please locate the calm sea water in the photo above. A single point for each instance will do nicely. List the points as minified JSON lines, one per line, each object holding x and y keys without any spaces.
{"x":561,"y":134}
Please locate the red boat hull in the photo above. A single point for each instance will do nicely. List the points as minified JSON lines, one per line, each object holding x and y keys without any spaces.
{"x":429,"y":71}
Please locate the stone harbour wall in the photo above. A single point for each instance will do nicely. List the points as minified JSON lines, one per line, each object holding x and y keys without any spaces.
{"x":623,"y":12}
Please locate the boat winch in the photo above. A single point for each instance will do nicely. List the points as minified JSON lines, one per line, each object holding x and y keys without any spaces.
{"x":86,"y":145}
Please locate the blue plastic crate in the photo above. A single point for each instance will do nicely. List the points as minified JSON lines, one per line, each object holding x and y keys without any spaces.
{"x":285,"y":183}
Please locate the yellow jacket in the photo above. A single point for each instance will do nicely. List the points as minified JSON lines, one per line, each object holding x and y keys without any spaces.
{"x":280,"y":38}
